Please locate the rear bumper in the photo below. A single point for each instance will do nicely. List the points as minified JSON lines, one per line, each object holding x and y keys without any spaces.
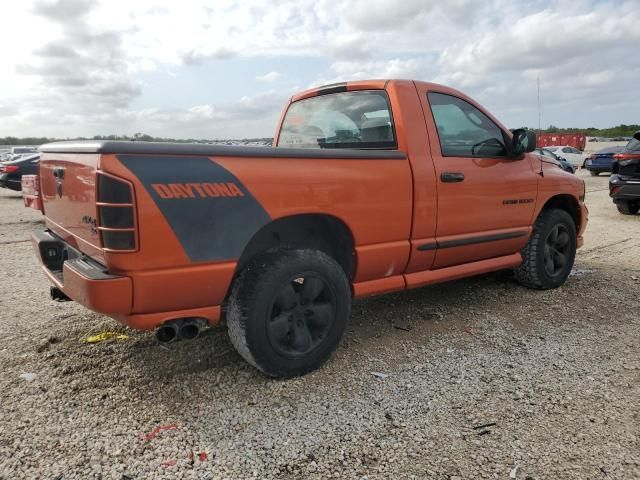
{"x":81,"y":278}
{"x":87,"y":282}
{"x":624,"y":188}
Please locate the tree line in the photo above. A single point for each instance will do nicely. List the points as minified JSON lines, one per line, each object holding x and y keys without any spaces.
{"x":140,"y":137}
{"x":612,"y":132}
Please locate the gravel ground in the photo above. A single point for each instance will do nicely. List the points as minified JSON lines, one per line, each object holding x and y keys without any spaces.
{"x":478,"y":378}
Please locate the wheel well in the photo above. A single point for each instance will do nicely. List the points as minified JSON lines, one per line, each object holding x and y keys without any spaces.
{"x":567,"y":203}
{"x":321,"y":232}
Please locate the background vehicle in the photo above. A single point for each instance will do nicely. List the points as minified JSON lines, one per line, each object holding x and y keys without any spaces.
{"x":374,"y":186}
{"x":11,"y":172}
{"x":23,"y":150}
{"x":624,"y":183}
{"x":563,"y":163}
{"x":571,"y":154}
{"x":602,"y":160}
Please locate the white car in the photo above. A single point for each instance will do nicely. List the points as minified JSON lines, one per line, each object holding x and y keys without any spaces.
{"x":571,"y":154}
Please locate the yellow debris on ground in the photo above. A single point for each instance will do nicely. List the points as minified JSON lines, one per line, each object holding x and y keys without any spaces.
{"x":101,"y":337}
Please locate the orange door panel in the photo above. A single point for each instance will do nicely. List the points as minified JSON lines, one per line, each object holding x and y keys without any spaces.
{"x":486,"y":199}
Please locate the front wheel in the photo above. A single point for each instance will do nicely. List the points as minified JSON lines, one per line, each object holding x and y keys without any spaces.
{"x":548,"y":257}
{"x":627,"y":207}
{"x":288,"y":310}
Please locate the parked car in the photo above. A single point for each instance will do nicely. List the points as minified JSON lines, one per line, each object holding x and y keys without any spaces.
{"x":11,"y":172}
{"x":23,"y":150}
{"x":572,"y":154}
{"x":624,"y":183}
{"x":371,"y":187}
{"x":563,"y":163}
{"x":602,"y":160}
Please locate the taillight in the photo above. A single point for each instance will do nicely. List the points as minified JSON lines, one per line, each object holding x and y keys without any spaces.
{"x":116,"y":219}
{"x":9,"y":168}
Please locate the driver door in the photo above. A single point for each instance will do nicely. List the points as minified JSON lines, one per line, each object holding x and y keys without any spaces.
{"x":486,"y":199}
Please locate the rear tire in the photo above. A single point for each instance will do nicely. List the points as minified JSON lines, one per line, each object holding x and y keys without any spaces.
{"x":594,"y":173}
{"x":627,"y":207}
{"x":288,"y":310}
{"x":548,"y":257}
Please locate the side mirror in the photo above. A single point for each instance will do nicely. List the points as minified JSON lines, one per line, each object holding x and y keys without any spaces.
{"x":522,"y":141}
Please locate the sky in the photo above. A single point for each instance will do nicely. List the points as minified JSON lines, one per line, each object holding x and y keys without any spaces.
{"x":224,"y":69}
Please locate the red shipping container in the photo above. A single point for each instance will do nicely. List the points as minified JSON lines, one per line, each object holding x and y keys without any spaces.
{"x":576,"y":140}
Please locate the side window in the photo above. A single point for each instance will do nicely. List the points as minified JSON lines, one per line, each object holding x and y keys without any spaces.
{"x":575,"y":150}
{"x":464,"y":130}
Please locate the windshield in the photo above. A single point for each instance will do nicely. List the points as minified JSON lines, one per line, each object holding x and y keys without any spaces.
{"x":552,"y":149}
{"x":546,"y":153}
{"x":359,"y":119}
{"x":633,"y":145}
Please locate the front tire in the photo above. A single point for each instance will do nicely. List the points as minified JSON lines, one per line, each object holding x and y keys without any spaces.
{"x":288,"y":310}
{"x":548,"y":257}
{"x":627,"y":207}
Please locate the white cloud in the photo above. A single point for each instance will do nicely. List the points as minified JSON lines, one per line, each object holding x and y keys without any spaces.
{"x":80,"y":68}
{"x":268,"y":77}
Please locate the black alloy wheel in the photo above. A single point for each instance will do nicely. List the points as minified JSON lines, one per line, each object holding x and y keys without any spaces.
{"x":548,"y":257}
{"x":287,"y":310}
{"x":556,"y":250}
{"x":302,"y":314}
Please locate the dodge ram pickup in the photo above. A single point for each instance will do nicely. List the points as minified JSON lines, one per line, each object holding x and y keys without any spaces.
{"x":370,"y":187}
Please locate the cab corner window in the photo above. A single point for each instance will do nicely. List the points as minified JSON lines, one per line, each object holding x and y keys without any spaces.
{"x":358,"y":119}
{"x":465,"y":131}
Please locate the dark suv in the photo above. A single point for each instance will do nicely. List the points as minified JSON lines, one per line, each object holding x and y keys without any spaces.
{"x":11,"y":172}
{"x":624,"y":184}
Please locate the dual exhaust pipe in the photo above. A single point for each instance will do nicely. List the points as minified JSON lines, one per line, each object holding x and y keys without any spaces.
{"x":184,"y":329}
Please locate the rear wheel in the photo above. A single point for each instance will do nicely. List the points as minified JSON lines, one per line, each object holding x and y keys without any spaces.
{"x":594,"y":173}
{"x":288,"y":310}
{"x":548,"y":257}
{"x":627,"y":207}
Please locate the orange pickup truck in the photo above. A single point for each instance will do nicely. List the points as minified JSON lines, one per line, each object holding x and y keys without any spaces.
{"x":370,"y":187}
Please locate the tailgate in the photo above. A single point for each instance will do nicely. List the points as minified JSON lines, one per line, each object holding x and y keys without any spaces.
{"x":68,"y":185}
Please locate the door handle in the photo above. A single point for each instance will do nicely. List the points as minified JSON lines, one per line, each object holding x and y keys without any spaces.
{"x":452,"y":177}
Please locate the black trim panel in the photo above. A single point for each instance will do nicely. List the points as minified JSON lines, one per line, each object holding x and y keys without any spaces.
{"x":161,"y":148}
{"x":333,"y":88}
{"x":471,"y":240}
{"x":90,"y":269}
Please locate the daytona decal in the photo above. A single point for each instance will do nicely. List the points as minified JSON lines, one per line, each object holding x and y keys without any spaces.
{"x":211,"y":212}
{"x":192,"y":190}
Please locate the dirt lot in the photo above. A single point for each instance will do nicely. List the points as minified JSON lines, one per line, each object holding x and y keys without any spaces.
{"x":478,"y":378}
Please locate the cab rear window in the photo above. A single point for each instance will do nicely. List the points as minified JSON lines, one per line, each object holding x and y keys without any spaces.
{"x":359,"y":119}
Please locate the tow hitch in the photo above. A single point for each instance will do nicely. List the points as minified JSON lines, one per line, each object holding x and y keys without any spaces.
{"x":58,"y":295}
